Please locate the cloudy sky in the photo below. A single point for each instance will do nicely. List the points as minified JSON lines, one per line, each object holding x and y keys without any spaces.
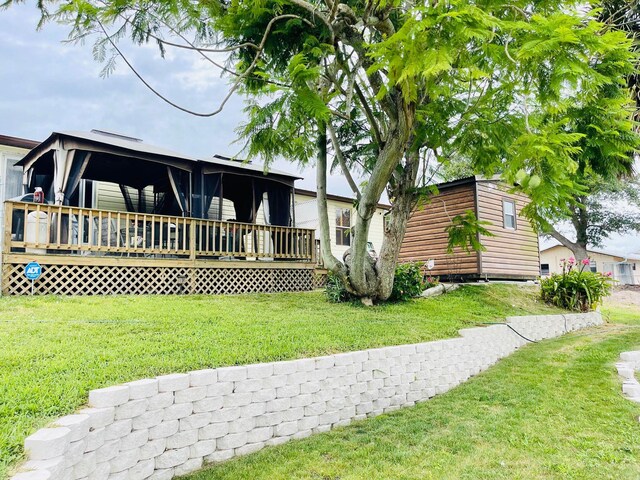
{"x":47,"y":85}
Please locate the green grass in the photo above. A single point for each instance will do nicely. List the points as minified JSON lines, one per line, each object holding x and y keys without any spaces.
{"x":53,"y":350}
{"x":553,"y":410}
{"x":625,"y":314}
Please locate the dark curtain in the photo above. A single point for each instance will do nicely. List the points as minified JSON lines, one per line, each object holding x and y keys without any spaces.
{"x":78,"y":166}
{"x":279,"y":204}
{"x":179,"y":180}
{"x":240,"y":190}
{"x":280,"y":214}
{"x":209,"y":186}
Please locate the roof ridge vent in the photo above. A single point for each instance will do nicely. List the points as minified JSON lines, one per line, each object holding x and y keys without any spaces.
{"x":231,"y":159}
{"x":115,"y":135}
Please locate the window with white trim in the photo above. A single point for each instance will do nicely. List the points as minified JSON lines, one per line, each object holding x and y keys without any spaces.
{"x":509,"y":214}
{"x":343,"y":226}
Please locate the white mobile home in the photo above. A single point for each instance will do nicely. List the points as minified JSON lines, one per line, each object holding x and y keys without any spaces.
{"x":341,"y":219}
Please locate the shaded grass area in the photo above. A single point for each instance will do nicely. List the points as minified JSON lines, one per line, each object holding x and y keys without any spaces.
{"x":53,"y":350}
{"x":553,"y":410}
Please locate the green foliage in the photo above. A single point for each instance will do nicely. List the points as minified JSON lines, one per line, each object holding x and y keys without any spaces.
{"x":335,"y":290}
{"x":430,"y":281}
{"x":532,"y":90}
{"x":575,"y":288}
{"x":408,"y":281}
{"x":464,"y":232}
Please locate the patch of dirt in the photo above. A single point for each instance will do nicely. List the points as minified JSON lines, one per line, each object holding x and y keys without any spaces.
{"x":625,"y":295}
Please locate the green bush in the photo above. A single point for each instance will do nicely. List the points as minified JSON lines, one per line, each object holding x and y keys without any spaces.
{"x":335,"y":291}
{"x":575,"y":288}
{"x":408,"y":282}
{"x":430,"y":282}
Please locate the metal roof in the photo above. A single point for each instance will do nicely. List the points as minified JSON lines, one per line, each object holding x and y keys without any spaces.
{"x":136,"y":145}
{"x":17,"y":142}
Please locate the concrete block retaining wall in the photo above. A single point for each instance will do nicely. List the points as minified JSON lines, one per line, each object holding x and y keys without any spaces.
{"x":627,"y":367}
{"x":171,"y":425}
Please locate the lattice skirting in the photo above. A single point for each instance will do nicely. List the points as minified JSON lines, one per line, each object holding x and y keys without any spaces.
{"x":105,"y":280}
{"x":320,"y":280}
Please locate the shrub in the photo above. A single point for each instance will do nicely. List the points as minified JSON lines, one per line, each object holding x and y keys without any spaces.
{"x":408,"y":282}
{"x":430,"y":282}
{"x":335,"y":291}
{"x":575,"y":288}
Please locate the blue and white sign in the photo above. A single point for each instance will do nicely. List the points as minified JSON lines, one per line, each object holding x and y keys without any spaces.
{"x":32,"y":271}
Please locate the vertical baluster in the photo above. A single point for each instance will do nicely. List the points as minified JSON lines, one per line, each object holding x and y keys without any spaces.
{"x":127,"y":230}
{"x":24,"y":223}
{"x":109,"y":231}
{"x":48,"y":238}
{"x":92,"y":229}
{"x":144,"y":233}
{"x":154,"y":221}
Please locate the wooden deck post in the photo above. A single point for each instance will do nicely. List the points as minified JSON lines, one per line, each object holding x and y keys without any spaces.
{"x":8,"y":215}
{"x":192,"y":239}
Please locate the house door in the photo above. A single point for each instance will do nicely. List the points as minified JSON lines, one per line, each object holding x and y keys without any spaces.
{"x":625,"y":274}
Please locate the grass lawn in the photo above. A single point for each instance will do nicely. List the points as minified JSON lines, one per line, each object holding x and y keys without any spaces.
{"x":553,"y":410}
{"x":53,"y":350}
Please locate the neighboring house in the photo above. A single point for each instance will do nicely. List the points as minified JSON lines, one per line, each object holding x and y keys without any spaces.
{"x":12,"y":149}
{"x":341,"y":219}
{"x":511,"y":254}
{"x":624,"y":268}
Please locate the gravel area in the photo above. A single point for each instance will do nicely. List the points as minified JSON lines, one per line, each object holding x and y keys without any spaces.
{"x":628,"y":295}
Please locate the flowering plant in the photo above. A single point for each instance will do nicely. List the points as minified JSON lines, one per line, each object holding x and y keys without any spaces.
{"x":575,"y":288}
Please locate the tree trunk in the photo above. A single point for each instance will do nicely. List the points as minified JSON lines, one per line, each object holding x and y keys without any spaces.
{"x":578,"y":248}
{"x":396,"y":225}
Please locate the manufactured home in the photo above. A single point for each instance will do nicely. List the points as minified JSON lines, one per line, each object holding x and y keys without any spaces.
{"x":341,"y":218}
{"x":625,"y":269}
{"x":122,"y":216}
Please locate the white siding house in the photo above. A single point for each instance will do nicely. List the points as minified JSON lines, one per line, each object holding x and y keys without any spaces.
{"x":624,"y":268}
{"x":341,"y":218}
{"x":12,"y":149}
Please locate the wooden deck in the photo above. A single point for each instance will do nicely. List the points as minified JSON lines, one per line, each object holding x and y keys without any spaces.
{"x":89,"y":251}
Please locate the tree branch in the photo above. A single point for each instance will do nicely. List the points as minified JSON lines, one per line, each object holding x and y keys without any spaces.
{"x":233,"y":88}
{"x":341,"y":160}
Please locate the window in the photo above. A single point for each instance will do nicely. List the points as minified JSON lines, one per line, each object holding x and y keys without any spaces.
{"x":544,"y":269}
{"x":343,"y":226}
{"x":509,"y":214}
{"x":593,"y":266}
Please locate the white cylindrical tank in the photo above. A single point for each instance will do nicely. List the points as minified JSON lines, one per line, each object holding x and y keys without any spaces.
{"x":36,"y":231}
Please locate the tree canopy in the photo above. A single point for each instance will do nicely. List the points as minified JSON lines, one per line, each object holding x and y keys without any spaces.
{"x":525,"y":88}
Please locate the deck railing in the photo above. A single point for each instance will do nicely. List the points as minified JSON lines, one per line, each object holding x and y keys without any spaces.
{"x":53,"y":229}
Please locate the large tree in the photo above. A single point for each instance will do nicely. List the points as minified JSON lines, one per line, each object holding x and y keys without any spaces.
{"x":383,"y":85}
{"x":608,"y":200}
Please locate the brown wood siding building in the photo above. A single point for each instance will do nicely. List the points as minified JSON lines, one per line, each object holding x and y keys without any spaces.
{"x":511,"y":254}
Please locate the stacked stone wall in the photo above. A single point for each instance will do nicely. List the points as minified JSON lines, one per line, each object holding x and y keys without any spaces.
{"x":171,"y":425}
